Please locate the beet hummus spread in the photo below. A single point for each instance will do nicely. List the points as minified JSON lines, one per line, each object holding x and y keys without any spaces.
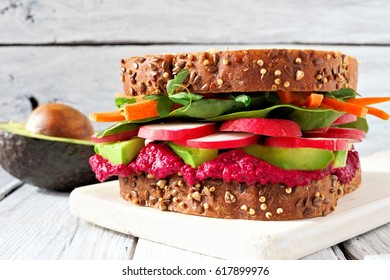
{"x":233,"y":165}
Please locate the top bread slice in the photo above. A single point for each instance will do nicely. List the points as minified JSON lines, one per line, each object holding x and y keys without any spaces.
{"x":251,"y":70}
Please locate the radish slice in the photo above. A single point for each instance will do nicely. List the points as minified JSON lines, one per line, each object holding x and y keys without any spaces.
{"x":121,"y":136}
{"x":322,"y":129}
{"x":261,"y":126}
{"x":352,"y":134}
{"x":176,"y":131}
{"x":348,"y":131}
{"x":222,"y":140}
{"x":332,"y":144}
{"x":346,"y":118}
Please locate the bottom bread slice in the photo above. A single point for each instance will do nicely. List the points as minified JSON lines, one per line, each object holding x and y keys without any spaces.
{"x":230,"y":200}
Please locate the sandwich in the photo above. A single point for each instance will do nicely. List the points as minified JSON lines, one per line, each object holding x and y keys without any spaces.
{"x":257,"y":134}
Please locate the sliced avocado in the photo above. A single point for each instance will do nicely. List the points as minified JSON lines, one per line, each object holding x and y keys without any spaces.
{"x":120,"y":152}
{"x":292,"y":158}
{"x":194,"y":156}
{"x":340,"y":158}
{"x":54,"y":163}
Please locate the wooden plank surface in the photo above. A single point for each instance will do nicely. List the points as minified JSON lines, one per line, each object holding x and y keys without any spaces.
{"x":37,"y":224}
{"x":87,"y":78}
{"x":149,"y":250}
{"x":8,"y":183}
{"x":373,"y":244}
{"x":201,"y":21}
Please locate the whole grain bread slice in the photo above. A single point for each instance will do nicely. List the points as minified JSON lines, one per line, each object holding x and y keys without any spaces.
{"x":251,"y":70}
{"x":230,"y":200}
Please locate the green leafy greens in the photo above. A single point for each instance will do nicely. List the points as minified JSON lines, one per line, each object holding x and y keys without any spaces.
{"x":116,"y":128}
{"x":174,"y":84}
{"x":342,"y":94}
{"x":192,"y":103}
{"x":245,"y":99}
{"x":307,"y":119}
{"x":122,"y":101}
{"x":360,"y":123}
{"x":231,"y":106}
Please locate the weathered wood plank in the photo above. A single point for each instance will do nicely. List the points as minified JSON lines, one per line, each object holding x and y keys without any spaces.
{"x":88,"y":78}
{"x":8,"y":183}
{"x":331,"y":253}
{"x":173,"y":21}
{"x":37,"y":224}
{"x":148,"y":250}
{"x":372,"y":244}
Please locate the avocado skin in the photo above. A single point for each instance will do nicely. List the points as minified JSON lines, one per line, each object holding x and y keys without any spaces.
{"x":48,"y":164}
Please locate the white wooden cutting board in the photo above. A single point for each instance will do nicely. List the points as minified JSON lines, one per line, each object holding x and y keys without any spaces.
{"x":365,"y":209}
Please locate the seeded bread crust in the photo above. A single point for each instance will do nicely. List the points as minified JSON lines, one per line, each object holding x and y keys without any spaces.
{"x":242,"y":71}
{"x":219,"y":199}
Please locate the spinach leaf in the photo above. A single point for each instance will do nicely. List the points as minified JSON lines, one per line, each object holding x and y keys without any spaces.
{"x":360,"y":123}
{"x":116,"y":128}
{"x":185,"y":98}
{"x":164,"y":104}
{"x":176,"y":82}
{"x":208,"y":108}
{"x":271,"y":96}
{"x":244,"y":99}
{"x":307,"y":119}
{"x":342,"y":94}
{"x":121,"y":101}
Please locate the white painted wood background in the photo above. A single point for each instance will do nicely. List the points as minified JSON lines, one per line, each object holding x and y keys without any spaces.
{"x":70,"y":51}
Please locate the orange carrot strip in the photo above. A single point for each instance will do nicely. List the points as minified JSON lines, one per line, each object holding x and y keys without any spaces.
{"x":356,"y":110}
{"x":368,"y":100}
{"x":326,"y":106}
{"x":285,"y":96}
{"x":378,"y":113}
{"x":296,"y":98}
{"x":114,"y":116}
{"x":141,"y":110}
{"x":314,"y":101}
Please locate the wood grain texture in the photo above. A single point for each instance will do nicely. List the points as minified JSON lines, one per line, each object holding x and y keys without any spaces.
{"x":37,"y":224}
{"x":202,"y":21}
{"x":87,"y":78}
{"x":370,"y":245}
{"x":8,"y":183}
{"x":149,"y":250}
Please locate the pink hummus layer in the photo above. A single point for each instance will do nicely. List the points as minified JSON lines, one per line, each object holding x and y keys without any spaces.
{"x":234,"y":165}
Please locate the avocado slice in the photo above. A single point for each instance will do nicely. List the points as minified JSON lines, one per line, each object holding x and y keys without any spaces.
{"x":340,"y":158}
{"x":120,"y":152}
{"x":48,"y":162}
{"x":292,"y":158}
{"x":193,"y":156}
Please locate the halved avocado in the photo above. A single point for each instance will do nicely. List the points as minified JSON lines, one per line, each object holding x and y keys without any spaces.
{"x":48,"y":162}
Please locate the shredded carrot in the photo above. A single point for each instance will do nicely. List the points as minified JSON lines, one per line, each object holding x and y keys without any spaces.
{"x":285,"y":96}
{"x":114,"y":116}
{"x":364,"y":101}
{"x":354,"y":109}
{"x":313,"y":101}
{"x":140,"y":110}
{"x":326,"y":106}
{"x":296,"y":98}
{"x":378,"y":113}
